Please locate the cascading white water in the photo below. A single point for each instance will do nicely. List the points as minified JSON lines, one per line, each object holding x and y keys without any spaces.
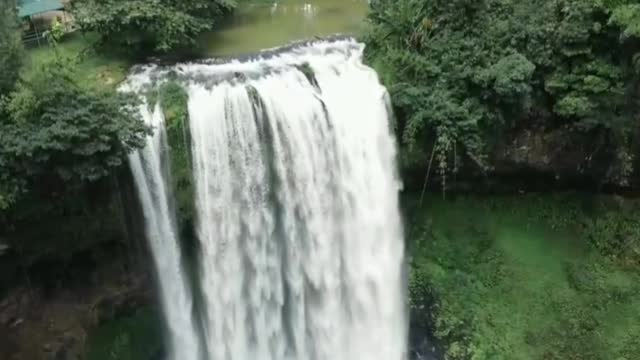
{"x":297,"y":198}
{"x":297,"y":204}
{"x":150,"y":174}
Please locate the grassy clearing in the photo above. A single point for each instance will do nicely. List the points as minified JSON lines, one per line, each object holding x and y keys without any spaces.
{"x":93,"y":69}
{"x":518,"y":278}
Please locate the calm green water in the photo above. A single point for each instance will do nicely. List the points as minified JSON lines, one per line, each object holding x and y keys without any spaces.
{"x":267,"y":24}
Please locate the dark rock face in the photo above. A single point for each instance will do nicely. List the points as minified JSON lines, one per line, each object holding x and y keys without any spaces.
{"x":563,"y":155}
{"x":45,"y":325}
{"x":422,"y":343}
{"x":425,"y":350}
{"x":540,"y":159}
{"x":67,"y":349}
{"x":160,"y":355}
{"x":121,"y":304}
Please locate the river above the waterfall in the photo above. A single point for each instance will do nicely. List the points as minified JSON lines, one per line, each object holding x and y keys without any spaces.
{"x":266,"y":24}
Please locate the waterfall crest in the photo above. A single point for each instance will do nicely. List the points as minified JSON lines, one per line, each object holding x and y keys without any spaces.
{"x":297,"y":207}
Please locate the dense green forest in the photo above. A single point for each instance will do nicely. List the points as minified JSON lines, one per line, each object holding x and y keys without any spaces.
{"x":513,"y":276}
{"x":464,"y":74}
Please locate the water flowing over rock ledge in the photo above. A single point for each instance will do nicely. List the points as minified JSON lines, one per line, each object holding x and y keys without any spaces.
{"x":300,"y":249}
{"x":250,"y":67}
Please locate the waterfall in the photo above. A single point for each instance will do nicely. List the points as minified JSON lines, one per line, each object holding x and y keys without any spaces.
{"x":296,"y":195}
{"x":150,"y":174}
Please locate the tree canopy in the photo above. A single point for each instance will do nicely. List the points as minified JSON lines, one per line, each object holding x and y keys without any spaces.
{"x":459,"y":70}
{"x":56,"y":134}
{"x":57,"y":127}
{"x":159,"y":25}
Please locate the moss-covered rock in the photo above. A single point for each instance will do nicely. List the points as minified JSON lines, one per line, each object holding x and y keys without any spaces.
{"x":173,"y":100}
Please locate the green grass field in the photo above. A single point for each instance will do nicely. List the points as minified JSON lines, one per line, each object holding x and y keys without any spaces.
{"x":93,"y":69}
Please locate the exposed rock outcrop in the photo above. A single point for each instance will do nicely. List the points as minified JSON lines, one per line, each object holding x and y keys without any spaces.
{"x":539,"y":159}
{"x":43,"y":325}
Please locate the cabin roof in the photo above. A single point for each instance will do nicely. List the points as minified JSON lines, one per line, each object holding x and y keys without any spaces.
{"x":29,"y":8}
